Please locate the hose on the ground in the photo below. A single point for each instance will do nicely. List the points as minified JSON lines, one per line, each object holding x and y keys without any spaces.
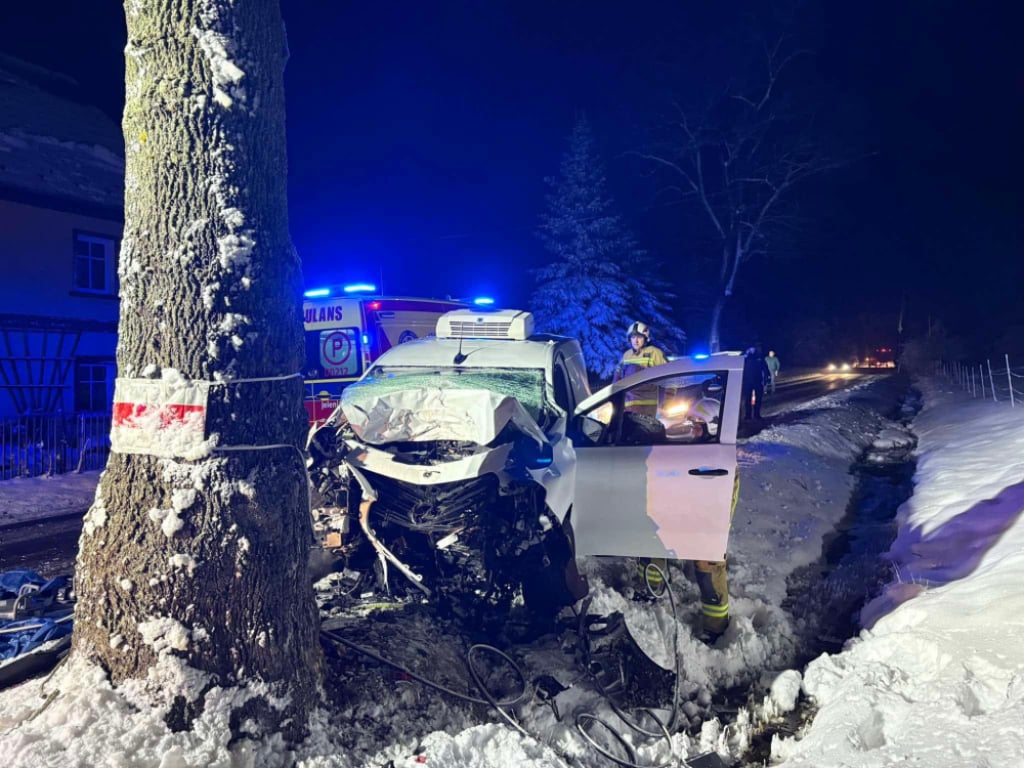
{"x":582,"y":718}
{"x":663,"y":732}
{"x":339,"y":640}
{"x":498,"y":707}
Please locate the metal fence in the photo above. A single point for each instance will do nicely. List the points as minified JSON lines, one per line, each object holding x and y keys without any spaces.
{"x":53,"y":444}
{"x":996,"y":379}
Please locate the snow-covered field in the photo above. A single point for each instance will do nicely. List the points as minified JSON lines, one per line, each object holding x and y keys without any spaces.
{"x":937,"y":680}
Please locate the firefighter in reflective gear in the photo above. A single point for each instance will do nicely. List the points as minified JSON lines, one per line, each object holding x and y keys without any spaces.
{"x":714,"y":588}
{"x":640,"y":355}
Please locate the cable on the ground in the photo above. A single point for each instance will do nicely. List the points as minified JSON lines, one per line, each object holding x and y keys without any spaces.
{"x":584,"y":717}
{"x":498,"y":707}
{"x":651,"y":570}
{"x":339,"y":640}
{"x":663,"y":732}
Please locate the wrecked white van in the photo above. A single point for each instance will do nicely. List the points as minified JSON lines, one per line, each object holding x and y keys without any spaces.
{"x":478,"y":463}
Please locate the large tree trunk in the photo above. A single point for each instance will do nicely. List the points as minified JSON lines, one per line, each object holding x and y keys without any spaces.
{"x":730,"y":267}
{"x":714,"y":336}
{"x":193,"y":556}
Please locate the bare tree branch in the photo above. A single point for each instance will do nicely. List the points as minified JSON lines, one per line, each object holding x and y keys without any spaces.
{"x":740,"y":158}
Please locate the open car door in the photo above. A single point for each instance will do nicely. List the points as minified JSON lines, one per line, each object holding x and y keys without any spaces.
{"x":656,"y":462}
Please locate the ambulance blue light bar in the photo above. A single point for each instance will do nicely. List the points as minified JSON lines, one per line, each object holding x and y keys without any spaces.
{"x":360,"y":288}
{"x":483,"y":301}
{"x":701,"y":356}
{"x":316,"y":293}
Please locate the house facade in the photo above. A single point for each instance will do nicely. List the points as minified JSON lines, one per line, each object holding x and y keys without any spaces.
{"x":61,"y":216}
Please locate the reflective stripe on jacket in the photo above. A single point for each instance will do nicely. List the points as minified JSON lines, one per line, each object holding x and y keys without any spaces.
{"x":632,"y":362}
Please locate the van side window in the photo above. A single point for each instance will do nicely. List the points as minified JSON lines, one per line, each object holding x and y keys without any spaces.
{"x":673,"y":410}
{"x":680,"y":410}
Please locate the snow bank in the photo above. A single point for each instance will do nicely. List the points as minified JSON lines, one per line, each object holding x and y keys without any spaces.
{"x":938,"y":679}
{"x":91,"y":724}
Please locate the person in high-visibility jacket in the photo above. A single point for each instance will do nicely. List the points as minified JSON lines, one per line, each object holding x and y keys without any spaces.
{"x":640,"y":355}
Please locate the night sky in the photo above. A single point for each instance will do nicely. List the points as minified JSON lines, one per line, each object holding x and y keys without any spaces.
{"x":420,"y":135}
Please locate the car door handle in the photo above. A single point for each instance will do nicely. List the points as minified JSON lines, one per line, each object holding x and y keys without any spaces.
{"x":709,"y":472}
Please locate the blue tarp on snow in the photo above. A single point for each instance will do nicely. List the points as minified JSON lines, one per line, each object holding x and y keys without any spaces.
{"x":22,"y":635}
{"x":11,"y":582}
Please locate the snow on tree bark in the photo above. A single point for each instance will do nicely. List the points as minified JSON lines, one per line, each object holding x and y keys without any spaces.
{"x":599,"y":281}
{"x":192,"y":575}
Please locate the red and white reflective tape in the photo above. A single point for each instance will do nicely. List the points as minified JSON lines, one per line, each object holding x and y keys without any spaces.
{"x":159,"y":418}
{"x":167,"y":417}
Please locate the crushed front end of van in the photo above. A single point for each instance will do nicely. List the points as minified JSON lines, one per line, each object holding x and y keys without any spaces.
{"x":451,"y":462}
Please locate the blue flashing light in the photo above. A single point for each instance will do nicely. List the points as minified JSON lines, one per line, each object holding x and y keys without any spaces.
{"x":366,"y":340}
{"x":483,"y":301}
{"x":701,"y":356}
{"x":316,"y":293}
{"x":360,"y":288}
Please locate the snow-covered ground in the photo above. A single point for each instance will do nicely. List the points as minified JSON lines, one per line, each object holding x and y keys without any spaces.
{"x":27,"y":499}
{"x":937,"y":680}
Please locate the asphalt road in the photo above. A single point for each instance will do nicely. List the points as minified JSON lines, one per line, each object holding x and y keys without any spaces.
{"x":807,"y":386}
{"x":803,"y":386}
{"x":49,"y":547}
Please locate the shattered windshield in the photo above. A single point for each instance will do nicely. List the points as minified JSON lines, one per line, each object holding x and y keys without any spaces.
{"x":524,"y":384}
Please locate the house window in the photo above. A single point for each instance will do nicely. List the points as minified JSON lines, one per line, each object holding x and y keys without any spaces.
{"x":94,"y":263}
{"x":94,"y":386}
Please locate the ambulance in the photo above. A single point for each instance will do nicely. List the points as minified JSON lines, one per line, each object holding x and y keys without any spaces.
{"x":348,"y":327}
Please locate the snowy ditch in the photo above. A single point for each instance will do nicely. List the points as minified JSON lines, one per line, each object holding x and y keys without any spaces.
{"x":826,"y":597}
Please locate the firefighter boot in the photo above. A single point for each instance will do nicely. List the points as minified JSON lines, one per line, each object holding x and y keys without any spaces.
{"x":714,"y":598}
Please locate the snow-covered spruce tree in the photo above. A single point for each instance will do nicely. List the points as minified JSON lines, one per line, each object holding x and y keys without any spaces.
{"x":598,"y":281}
{"x":191,"y":575}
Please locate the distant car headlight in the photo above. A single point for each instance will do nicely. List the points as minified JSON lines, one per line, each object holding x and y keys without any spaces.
{"x":831,"y":366}
{"x":846,"y":366}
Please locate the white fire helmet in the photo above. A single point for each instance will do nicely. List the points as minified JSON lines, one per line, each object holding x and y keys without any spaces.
{"x":639,"y":329}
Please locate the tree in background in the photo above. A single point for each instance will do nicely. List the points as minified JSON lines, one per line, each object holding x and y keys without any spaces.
{"x":598,"y":280}
{"x":735,"y":162}
{"x":192,"y":580}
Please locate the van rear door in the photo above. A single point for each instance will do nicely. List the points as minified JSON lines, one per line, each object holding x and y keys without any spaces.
{"x":334,"y":352}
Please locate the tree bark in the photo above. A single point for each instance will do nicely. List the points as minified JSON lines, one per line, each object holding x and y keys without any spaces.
{"x":193,"y":568}
{"x":725,"y":291}
{"x":714,"y":337}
